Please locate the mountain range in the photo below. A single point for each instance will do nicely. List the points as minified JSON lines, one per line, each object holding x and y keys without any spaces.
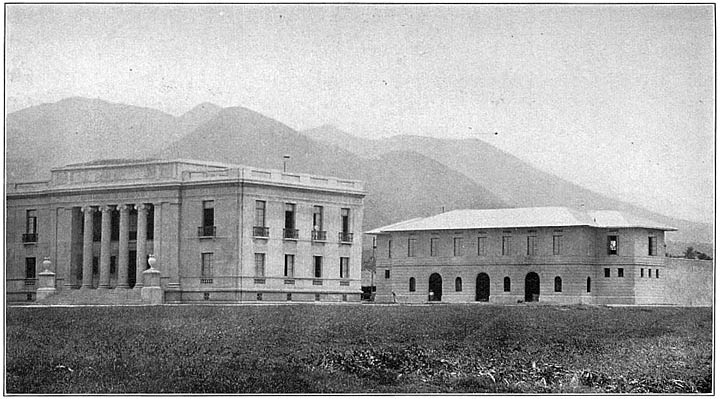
{"x":406,"y":176}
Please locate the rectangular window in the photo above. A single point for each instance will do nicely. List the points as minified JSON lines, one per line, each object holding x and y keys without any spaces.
{"x":411,"y":247}
{"x":289,"y":265}
{"x":652,"y":246}
{"x":621,"y":272}
{"x":506,"y":241}
{"x":260,"y":213}
{"x":642,"y":272}
{"x":434,"y":246}
{"x":457,"y":246}
{"x":31,"y":222}
{"x":657,"y":273}
{"x":318,"y":266}
{"x":389,"y":249}
{"x":557,"y":245}
{"x":612,"y":245}
{"x":387,"y":274}
{"x":317,"y":218}
{"x":289,"y":216}
{"x":206,"y":269}
{"x":259,"y":264}
{"x":345,"y":216}
{"x":29,"y":267}
{"x":208,"y":213}
{"x":532,"y":245}
{"x":482,"y":246}
{"x":345,"y":267}
{"x":113,"y":264}
{"x":607,"y":272}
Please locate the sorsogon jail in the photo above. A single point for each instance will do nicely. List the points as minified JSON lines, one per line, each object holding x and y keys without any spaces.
{"x":547,"y":254}
{"x":216,"y":232}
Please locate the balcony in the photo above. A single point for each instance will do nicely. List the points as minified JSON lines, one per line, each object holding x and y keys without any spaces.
{"x":206,"y":280}
{"x":206,"y":231}
{"x":345,"y":237}
{"x":260,"y":231}
{"x":290,"y":234}
{"x":319,"y":235}
{"x":29,"y":238}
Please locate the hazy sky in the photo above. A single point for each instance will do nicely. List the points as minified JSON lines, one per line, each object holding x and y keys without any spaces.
{"x":619,"y":99}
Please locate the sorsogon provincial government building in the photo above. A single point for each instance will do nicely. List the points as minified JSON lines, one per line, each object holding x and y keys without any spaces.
{"x":550,"y":254}
{"x":218,"y":232}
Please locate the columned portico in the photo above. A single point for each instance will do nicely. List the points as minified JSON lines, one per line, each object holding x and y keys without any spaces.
{"x":123,"y":261}
{"x":105,"y":246}
{"x":142,"y":210}
{"x":87,"y":259}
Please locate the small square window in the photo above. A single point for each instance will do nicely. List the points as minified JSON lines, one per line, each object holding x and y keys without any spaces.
{"x":387,"y":273}
{"x":344,"y":297}
{"x":289,"y":297}
{"x":206,"y":296}
{"x":621,"y":272}
{"x":259,"y":296}
{"x":317,"y":297}
{"x":607,"y":272}
{"x":612,"y":245}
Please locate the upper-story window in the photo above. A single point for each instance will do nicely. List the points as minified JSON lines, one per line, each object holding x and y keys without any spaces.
{"x":208,"y":219}
{"x":506,"y":244}
{"x":345,"y":219}
{"x":557,"y":244}
{"x":290,"y":231}
{"x":531,"y":245}
{"x":389,"y":249}
{"x":317,"y":218}
{"x":434,"y":246}
{"x":411,"y":247}
{"x":30,"y":226}
{"x":457,"y":246}
{"x":260,"y":213}
{"x":652,"y":246}
{"x":29,"y":267}
{"x":482,"y":246}
{"x":612,"y":245}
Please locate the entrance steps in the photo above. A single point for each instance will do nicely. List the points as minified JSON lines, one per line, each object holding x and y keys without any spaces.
{"x":116,"y":296}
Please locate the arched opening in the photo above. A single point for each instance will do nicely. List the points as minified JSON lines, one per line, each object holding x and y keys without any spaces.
{"x":435,"y":284}
{"x":588,"y":284}
{"x":532,"y":287}
{"x":458,"y":284}
{"x":482,"y":287}
{"x":412,"y":284}
{"x":558,"y":284}
{"x":506,"y":284}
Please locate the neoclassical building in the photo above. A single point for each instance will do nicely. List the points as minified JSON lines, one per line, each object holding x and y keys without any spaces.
{"x":219,"y":232}
{"x":548,"y":254}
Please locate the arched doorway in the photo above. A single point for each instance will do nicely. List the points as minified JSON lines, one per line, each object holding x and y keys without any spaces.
{"x":435,"y":285}
{"x":532,"y":287}
{"x":482,"y":287}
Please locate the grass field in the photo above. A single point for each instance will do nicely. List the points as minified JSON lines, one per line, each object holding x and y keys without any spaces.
{"x":363,"y":348}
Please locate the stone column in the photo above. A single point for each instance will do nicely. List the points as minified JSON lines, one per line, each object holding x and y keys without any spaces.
{"x":157,"y":228}
{"x":87,"y":258}
{"x":105,"y":246}
{"x":141,"y":244}
{"x":123,"y":261}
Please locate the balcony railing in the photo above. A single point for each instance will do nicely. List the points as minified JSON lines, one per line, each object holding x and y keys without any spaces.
{"x":206,"y":280}
{"x":206,"y":231}
{"x":345,"y":237}
{"x":30,"y":281}
{"x":291,"y":234}
{"x":27,"y":238}
{"x":260,"y":231}
{"x":319,"y":235}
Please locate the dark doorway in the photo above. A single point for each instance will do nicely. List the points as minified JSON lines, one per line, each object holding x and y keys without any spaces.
{"x":435,"y":293}
{"x":532,"y":287}
{"x":132,"y":264}
{"x":482,"y":287}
